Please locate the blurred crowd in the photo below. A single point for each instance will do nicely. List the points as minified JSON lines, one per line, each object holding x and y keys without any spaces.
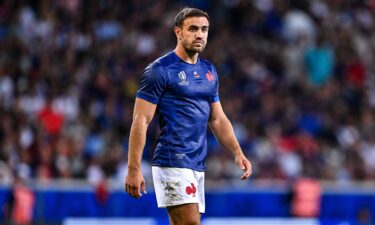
{"x":297,"y":80}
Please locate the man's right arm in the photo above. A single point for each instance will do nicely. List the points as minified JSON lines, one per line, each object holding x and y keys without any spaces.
{"x":143,"y":113}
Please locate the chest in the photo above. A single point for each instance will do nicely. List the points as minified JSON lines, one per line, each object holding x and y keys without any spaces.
{"x":192,"y":82}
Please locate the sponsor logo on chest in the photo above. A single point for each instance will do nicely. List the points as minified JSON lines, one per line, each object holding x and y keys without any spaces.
{"x":196,"y":75}
{"x":182,"y":76}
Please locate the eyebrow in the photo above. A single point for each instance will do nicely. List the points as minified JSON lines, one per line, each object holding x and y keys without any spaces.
{"x":195,"y":26}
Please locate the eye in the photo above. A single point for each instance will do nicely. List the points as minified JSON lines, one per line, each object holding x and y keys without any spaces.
{"x":193,"y":28}
{"x":204,"y":29}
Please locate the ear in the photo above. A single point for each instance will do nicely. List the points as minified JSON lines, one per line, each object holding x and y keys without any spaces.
{"x":177,"y":31}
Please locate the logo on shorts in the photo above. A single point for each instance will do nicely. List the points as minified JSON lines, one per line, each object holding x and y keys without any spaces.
{"x":182,"y":76}
{"x":180,"y":155}
{"x":191,"y":190}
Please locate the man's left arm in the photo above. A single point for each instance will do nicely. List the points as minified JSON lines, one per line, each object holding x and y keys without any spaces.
{"x":223,"y":131}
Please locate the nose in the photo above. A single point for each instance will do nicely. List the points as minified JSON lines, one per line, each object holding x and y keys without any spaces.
{"x":199,"y":34}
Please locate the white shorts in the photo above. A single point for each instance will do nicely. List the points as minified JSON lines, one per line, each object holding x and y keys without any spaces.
{"x":177,"y":186}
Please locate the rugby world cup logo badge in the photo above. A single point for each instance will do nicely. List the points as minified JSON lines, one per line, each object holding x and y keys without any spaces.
{"x":182,"y":76}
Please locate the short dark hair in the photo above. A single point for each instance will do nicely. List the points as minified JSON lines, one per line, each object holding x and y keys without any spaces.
{"x":185,"y":13}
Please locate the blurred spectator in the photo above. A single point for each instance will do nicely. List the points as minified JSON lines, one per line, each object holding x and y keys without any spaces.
{"x":297,"y":80}
{"x":307,"y":193}
{"x":319,"y":62}
{"x":19,"y":206}
{"x":365,"y":217}
{"x":51,"y":121}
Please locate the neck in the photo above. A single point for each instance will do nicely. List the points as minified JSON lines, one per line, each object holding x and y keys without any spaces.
{"x":188,"y":57}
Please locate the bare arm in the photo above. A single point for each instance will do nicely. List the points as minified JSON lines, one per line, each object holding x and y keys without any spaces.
{"x":223,"y":131}
{"x":143,"y":113}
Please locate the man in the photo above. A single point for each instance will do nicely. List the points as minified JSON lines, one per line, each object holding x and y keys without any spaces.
{"x":183,"y":90}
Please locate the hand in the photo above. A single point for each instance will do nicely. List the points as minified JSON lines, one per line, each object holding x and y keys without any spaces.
{"x":244,"y":165}
{"x":134,"y":183}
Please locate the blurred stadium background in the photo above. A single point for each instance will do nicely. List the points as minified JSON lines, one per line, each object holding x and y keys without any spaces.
{"x":297,"y":82}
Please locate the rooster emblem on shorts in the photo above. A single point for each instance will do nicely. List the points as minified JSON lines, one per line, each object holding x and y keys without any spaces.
{"x":191,"y":190}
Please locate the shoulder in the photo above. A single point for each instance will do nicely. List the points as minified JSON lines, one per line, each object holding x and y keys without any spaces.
{"x":164,"y":61}
{"x":208,"y":64}
{"x":161,"y":64}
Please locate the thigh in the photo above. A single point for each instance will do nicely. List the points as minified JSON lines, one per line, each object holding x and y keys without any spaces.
{"x":184,"y":214}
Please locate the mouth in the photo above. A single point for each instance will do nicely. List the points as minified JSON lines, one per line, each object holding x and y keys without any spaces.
{"x":198,"y":42}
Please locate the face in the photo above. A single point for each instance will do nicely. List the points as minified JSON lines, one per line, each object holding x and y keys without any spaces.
{"x":193,"y":34}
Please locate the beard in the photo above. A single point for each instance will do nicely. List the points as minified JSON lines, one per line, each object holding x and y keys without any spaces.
{"x":191,"y":49}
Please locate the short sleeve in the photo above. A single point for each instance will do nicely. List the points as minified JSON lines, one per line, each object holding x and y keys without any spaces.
{"x":215,"y":97}
{"x":153,"y":84}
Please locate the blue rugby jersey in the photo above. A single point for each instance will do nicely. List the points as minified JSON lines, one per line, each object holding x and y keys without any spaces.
{"x":183,"y":93}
